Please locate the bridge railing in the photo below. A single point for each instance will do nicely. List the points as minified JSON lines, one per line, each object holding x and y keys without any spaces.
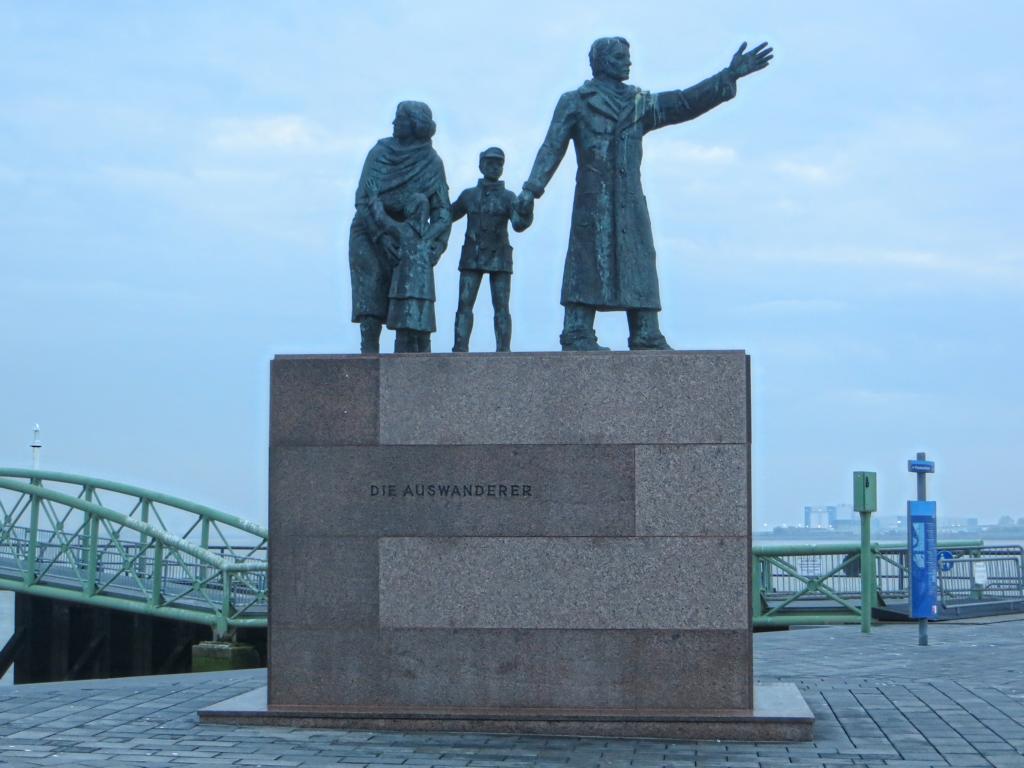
{"x":821,"y":583}
{"x":805,"y":584}
{"x":971,"y":572}
{"x":76,"y":538}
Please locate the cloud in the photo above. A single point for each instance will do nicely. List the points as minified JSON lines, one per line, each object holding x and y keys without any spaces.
{"x":190,"y":184}
{"x":146,"y":179}
{"x":678,"y":151}
{"x":863,"y":396}
{"x":1006,"y":267}
{"x":807,"y":172}
{"x":796,"y":306}
{"x":253,"y":200}
{"x":280,"y":133}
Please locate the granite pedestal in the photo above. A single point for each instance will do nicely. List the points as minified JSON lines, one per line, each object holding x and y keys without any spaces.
{"x":537,"y":543}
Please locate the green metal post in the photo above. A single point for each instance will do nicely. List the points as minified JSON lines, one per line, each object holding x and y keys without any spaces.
{"x":204,"y":540}
{"x":867,"y":573}
{"x":158,"y":574}
{"x":92,"y":541}
{"x":93,"y":523}
{"x":140,"y":559}
{"x":144,"y":516}
{"x":226,"y":609}
{"x":33,"y":537}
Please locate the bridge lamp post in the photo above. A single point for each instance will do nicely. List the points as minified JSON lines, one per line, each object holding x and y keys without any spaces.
{"x":37,"y":446}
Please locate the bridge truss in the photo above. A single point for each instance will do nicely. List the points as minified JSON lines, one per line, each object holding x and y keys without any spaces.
{"x":111,"y":545}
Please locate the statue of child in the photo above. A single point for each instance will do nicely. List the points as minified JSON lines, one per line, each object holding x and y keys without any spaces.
{"x":411,"y":295}
{"x":490,"y":208}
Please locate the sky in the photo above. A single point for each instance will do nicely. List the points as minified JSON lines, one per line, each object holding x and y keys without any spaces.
{"x":177,"y":183}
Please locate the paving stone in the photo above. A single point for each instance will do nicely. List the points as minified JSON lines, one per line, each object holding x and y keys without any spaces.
{"x":937,"y":708}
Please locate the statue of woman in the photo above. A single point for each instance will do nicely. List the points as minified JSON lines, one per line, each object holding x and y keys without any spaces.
{"x":396,"y":168}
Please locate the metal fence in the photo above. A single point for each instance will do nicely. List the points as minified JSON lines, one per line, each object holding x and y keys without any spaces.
{"x":810,"y":584}
{"x":77,"y":538}
{"x":85,"y":540}
{"x":967,"y":574}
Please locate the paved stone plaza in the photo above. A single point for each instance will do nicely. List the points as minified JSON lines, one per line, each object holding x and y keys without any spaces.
{"x":880,"y":700}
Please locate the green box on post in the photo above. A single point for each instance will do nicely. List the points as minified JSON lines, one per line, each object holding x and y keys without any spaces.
{"x":865,"y":492}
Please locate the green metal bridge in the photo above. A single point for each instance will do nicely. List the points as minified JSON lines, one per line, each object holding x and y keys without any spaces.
{"x":111,"y":545}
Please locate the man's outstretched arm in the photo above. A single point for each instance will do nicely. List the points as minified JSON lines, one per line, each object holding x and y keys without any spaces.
{"x":673,"y":107}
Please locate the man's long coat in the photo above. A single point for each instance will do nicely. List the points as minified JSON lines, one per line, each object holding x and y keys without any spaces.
{"x":611,"y":260}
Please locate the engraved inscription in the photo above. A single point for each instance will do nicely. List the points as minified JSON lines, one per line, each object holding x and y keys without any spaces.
{"x":453,"y":490}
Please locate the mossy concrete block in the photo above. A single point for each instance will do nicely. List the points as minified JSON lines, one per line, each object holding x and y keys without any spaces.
{"x":218,"y":657}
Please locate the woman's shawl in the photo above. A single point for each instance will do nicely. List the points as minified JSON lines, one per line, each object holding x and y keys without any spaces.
{"x":393,"y":171}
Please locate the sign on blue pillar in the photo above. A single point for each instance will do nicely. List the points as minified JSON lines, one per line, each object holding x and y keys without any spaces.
{"x":920,"y":465}
{"x":921,"y":546}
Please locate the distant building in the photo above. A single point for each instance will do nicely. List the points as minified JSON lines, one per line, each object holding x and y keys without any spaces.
{"x":835,"y":516}
{"x":817,"y":517}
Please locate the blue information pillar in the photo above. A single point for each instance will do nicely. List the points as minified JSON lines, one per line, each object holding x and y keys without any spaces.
{"x":922,"y":549}
{"x":921,"y":543}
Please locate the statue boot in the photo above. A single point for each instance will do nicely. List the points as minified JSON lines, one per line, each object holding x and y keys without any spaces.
{"x":463,"y":328}
{"x":644,"y":330}
{"x":369,"y":333}
{"x":580,"y":341}
{"x":503,"y":331}
{"x":578,"y":330}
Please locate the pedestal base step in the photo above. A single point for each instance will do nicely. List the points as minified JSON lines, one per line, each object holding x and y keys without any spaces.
{"x":779,"y":714}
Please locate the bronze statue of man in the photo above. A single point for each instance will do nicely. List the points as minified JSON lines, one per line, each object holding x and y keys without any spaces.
{"x":610,"y":264}
{"x":398,"y":167}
